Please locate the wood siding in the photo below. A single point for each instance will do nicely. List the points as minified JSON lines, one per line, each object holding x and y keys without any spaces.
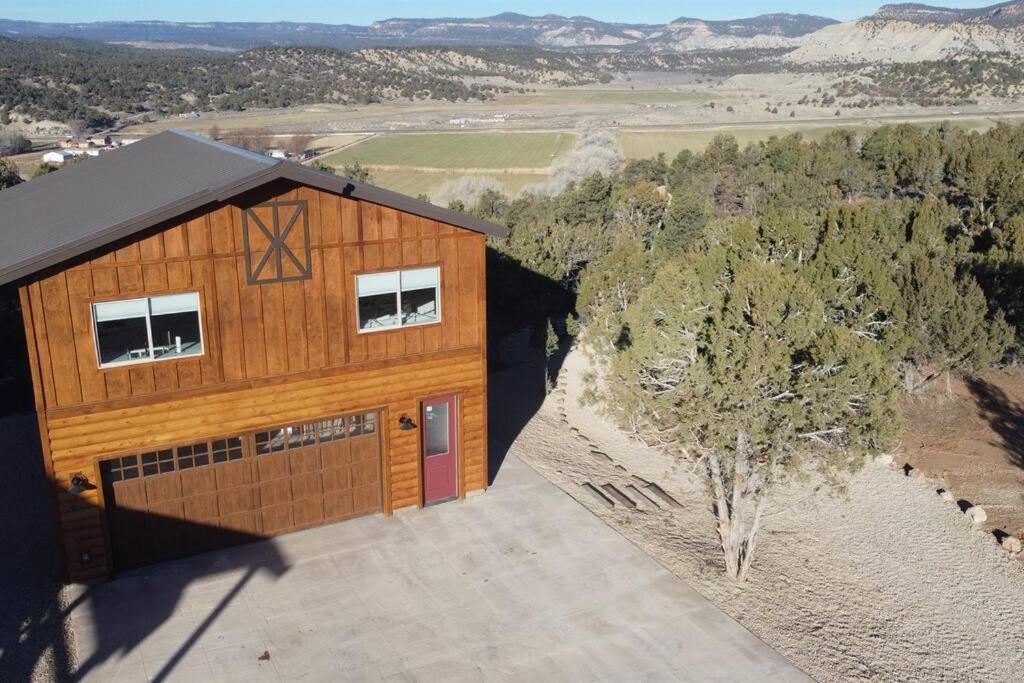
{"x":274,"y":353}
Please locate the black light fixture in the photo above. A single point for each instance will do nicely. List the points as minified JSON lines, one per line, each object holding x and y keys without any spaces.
{"x":79,"y":483}
{"x":405,"y":423}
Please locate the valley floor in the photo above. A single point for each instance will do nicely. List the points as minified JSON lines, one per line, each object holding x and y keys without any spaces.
{"x":889,"y":583}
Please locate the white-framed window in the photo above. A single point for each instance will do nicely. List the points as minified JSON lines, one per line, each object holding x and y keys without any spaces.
{"x":147,"y":329}
{"x":400,"y":298}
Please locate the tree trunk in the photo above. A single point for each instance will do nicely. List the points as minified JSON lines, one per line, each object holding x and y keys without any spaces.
{"x":733,"y":507}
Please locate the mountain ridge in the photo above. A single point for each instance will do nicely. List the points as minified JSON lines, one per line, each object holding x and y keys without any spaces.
{"x":1001,"y":15}
{"x":507,"y":28}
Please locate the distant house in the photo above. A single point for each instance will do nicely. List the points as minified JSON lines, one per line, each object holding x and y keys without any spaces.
{"x":58,"y":157}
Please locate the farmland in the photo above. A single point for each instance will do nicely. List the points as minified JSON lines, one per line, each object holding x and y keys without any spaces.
{"x":457,"y":150}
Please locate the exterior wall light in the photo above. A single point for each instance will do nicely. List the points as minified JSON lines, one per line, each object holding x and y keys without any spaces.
{"x":405,"y":423}
{"x":79,"y":483}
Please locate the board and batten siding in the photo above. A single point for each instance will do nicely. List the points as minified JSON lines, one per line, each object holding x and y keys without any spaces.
{"x":273,"y":353}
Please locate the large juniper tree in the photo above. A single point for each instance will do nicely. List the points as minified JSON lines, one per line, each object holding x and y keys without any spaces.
{"x":740,"y":368}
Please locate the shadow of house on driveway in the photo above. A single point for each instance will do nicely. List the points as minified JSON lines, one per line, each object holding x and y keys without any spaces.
{"x":1004,"y":415}
{"x":98,"y":610}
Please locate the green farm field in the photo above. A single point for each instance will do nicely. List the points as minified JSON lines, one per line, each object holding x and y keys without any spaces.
{"x":457,"y":150}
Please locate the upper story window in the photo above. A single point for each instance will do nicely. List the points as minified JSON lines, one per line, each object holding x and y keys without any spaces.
{"x":152,"y":328}
{"x":399,"y":299}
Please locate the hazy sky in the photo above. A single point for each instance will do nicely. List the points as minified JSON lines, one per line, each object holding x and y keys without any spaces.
{"x":354,"y":12}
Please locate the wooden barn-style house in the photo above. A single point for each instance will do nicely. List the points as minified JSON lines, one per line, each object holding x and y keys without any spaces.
{"x":226,"y":347}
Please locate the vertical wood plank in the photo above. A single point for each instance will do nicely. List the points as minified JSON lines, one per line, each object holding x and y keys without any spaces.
{"x":316,"y":314}
{"x":141,"y":379}
{"x":198,"y":235}
{"x":222,"y":231}
{"x":449,"y":293}
{"x":190,"y":373}
{"x":165,"y":376}
{"x":229,"y":317}
{"x":334,"y":299}
{"x":252,"y":324}
{"x":118,"y":383}
{"x":104,"y":282}
{"x":370,"y":222}
{"x":204,"y":280}
{"x":372,"y":259}
{"x":470,"y":270}
{"x":411,"y":252}
{"x":129,"y":279}
{"x":329,"y":208}
{"x":154,"y":277}
{"x":152,"y":248}
{"x":389,"y":229}
{"x":391,"y":254}
{"x":350,"y":221}
{"x":128,"y":253}
{"x":61,"y":332}
{"x":428,"y":251}
{"x":312,"y":199}
{"x":80,"y":296}
{"x":356,"y":346}
{"x":294,"y":321}
{"x":43,"y":345}
{"x":174,"y":242}
{"x":179,"y":275}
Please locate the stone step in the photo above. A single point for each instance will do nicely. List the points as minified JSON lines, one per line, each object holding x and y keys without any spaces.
{"x":619,"y":496}
{"x":660,"y":493}
{"x":598,"y":494}
{"x":643,"y":497}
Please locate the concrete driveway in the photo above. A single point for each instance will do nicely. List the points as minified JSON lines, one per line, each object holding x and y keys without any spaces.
{"x":521,"y":583}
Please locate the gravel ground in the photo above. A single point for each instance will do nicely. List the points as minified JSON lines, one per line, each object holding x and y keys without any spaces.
{"x":34,"y":638}
{"x":889,"y":583}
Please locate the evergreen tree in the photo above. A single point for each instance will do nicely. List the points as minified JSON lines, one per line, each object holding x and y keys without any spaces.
{"x":741,"y":370}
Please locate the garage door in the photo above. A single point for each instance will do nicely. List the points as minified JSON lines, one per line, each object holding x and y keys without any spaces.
{"x":186,"y":499}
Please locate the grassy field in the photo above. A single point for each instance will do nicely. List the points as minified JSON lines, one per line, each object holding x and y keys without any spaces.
{"x":416,"y":183}
{"x":571,"y":96}
{"x":643,"y":145}
{"x":458,"y":150}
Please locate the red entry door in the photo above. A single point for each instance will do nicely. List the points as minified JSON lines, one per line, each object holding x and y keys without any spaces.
{"x":440,"y":446}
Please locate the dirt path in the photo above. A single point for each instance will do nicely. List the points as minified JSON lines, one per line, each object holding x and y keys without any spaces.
{"x":974,"y":445}
{"x":889,"y":584}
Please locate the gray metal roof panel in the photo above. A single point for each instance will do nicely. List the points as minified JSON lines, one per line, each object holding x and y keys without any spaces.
{"x":65,"y":214}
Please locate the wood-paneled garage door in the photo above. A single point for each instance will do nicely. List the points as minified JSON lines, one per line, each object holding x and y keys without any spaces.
{"x":181,"y":500}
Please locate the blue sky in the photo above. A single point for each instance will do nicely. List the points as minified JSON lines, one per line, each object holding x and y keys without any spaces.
{"x":352,"y":12}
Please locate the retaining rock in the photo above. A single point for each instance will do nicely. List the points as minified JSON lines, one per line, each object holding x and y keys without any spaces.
{"x":976,"y":514}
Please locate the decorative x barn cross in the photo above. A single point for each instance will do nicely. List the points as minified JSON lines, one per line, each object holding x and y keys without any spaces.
{"x":276,"y":237}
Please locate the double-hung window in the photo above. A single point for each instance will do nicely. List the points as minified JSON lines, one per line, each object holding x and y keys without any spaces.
{"x":152,"y":328}
{"x":400,"y":298}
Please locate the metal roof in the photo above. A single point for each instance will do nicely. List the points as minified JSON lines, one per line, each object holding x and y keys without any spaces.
{"x":85,"y":206}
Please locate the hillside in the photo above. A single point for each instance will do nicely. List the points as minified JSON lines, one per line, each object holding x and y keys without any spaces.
{"x":65,"y":79}
{"x":765,"y":31}
{"x":551,"y":30}
{"x":1003,"y":15}
{"x":915,"y":33}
